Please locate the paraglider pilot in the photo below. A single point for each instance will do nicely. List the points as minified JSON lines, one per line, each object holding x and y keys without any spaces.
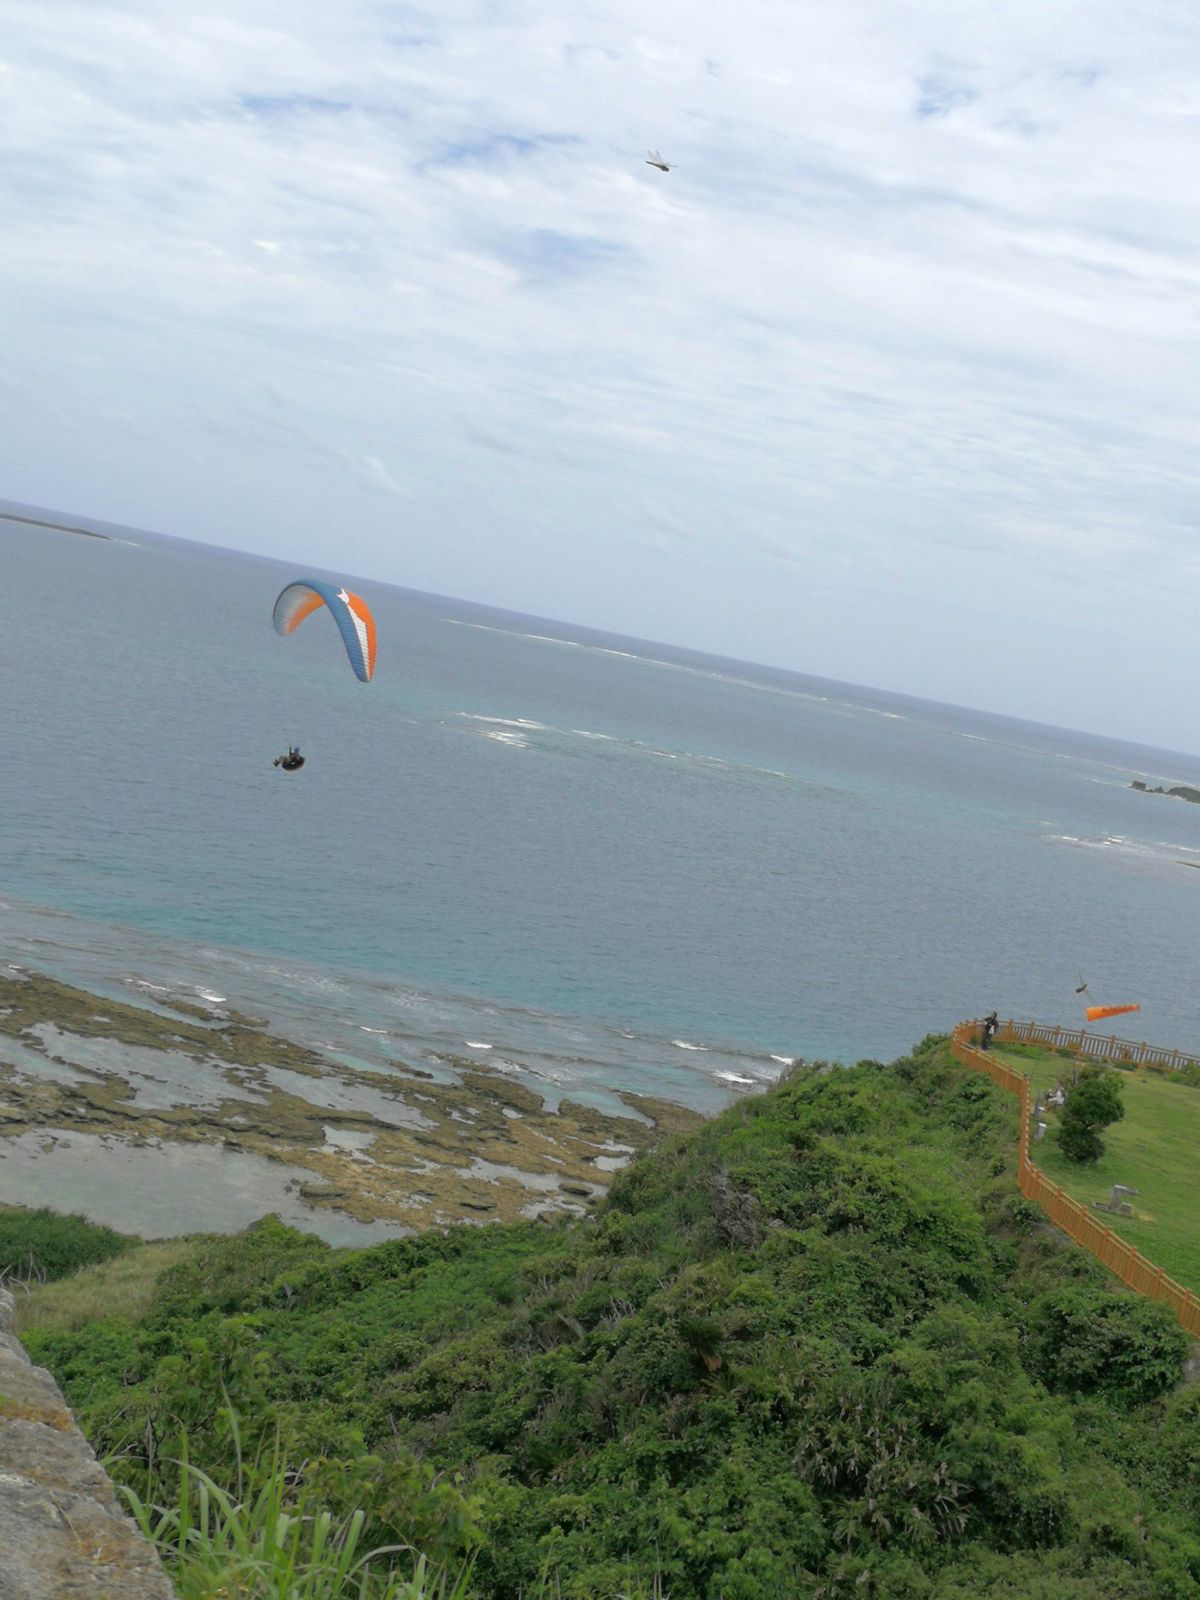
{"x":291,"y":762}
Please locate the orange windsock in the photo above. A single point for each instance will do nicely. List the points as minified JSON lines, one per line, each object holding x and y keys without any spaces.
{"x":1095,"y":1013}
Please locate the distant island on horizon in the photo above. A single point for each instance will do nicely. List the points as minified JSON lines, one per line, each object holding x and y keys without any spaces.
{"x":59,"y":527}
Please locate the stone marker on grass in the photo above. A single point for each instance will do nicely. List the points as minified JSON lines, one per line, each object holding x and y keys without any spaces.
{"x":1117,"y":1203}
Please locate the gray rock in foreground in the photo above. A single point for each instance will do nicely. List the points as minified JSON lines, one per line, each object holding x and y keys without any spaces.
{"x":63,"y":1534}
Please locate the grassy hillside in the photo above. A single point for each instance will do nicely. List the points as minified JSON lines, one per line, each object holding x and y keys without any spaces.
{"x":1153,"y":1148}
{"x":819,"y":1347}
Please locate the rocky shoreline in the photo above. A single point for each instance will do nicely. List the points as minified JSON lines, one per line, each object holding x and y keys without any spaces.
{"x":401,"y":1146}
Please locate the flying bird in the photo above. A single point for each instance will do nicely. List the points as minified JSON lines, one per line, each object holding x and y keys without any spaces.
{"x":653,"y":159}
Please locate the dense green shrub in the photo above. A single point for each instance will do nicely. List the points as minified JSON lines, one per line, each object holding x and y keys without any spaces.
{"x":1094,"y":1102}
{"x":41,"y":1246}
{"x":1089,"y":1340}
{"x":814,"y":1348}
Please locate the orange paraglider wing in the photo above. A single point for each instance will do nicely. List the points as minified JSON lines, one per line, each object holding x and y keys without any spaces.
{"x":1095,"y":1013}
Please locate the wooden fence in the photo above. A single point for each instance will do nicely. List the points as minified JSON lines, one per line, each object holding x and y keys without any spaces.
{"x":1097,"y":1046}
{"x":1120,"y":1258}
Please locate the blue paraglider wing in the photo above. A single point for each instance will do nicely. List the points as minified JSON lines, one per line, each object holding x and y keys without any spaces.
{"x":350,"y":611}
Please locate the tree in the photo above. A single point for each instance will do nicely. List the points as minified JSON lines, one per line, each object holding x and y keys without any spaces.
{"x":1092,"y":1104}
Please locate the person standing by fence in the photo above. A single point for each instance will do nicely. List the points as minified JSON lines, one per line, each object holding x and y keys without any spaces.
{"x":991,"y":1027}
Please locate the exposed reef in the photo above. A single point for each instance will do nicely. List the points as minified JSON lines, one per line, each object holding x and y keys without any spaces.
{"x":398,"y":1146}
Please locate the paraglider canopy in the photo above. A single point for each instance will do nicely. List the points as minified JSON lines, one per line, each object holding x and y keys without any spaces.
{"x":1098,"y":1013}
{"x":350,"y":611}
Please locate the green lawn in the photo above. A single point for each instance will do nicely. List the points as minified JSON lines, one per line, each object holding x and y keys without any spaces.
{"x":1156,"y":1148}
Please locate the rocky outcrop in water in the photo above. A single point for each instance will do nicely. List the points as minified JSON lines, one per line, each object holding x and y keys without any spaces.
{"x":1181,"y":791}
{"x":63,"y":1534}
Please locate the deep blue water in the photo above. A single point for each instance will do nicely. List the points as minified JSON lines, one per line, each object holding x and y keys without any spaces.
{"x":582,"y":850}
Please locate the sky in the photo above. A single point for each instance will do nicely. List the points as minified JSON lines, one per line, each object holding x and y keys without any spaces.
{"x":892,"y":379}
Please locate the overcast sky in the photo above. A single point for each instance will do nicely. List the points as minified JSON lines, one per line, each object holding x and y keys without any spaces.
{"x":895,"y":379}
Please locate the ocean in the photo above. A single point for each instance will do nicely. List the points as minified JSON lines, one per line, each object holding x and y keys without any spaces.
{"x":595,"y":862}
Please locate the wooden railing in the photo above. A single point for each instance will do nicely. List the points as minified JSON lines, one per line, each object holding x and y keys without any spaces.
{"x":1097,"y":1046}
{"x":1120,"y":1258}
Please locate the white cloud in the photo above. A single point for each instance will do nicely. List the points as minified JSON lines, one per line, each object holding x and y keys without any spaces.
{"x":914,"y":320}
{"x":372,"y":472}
